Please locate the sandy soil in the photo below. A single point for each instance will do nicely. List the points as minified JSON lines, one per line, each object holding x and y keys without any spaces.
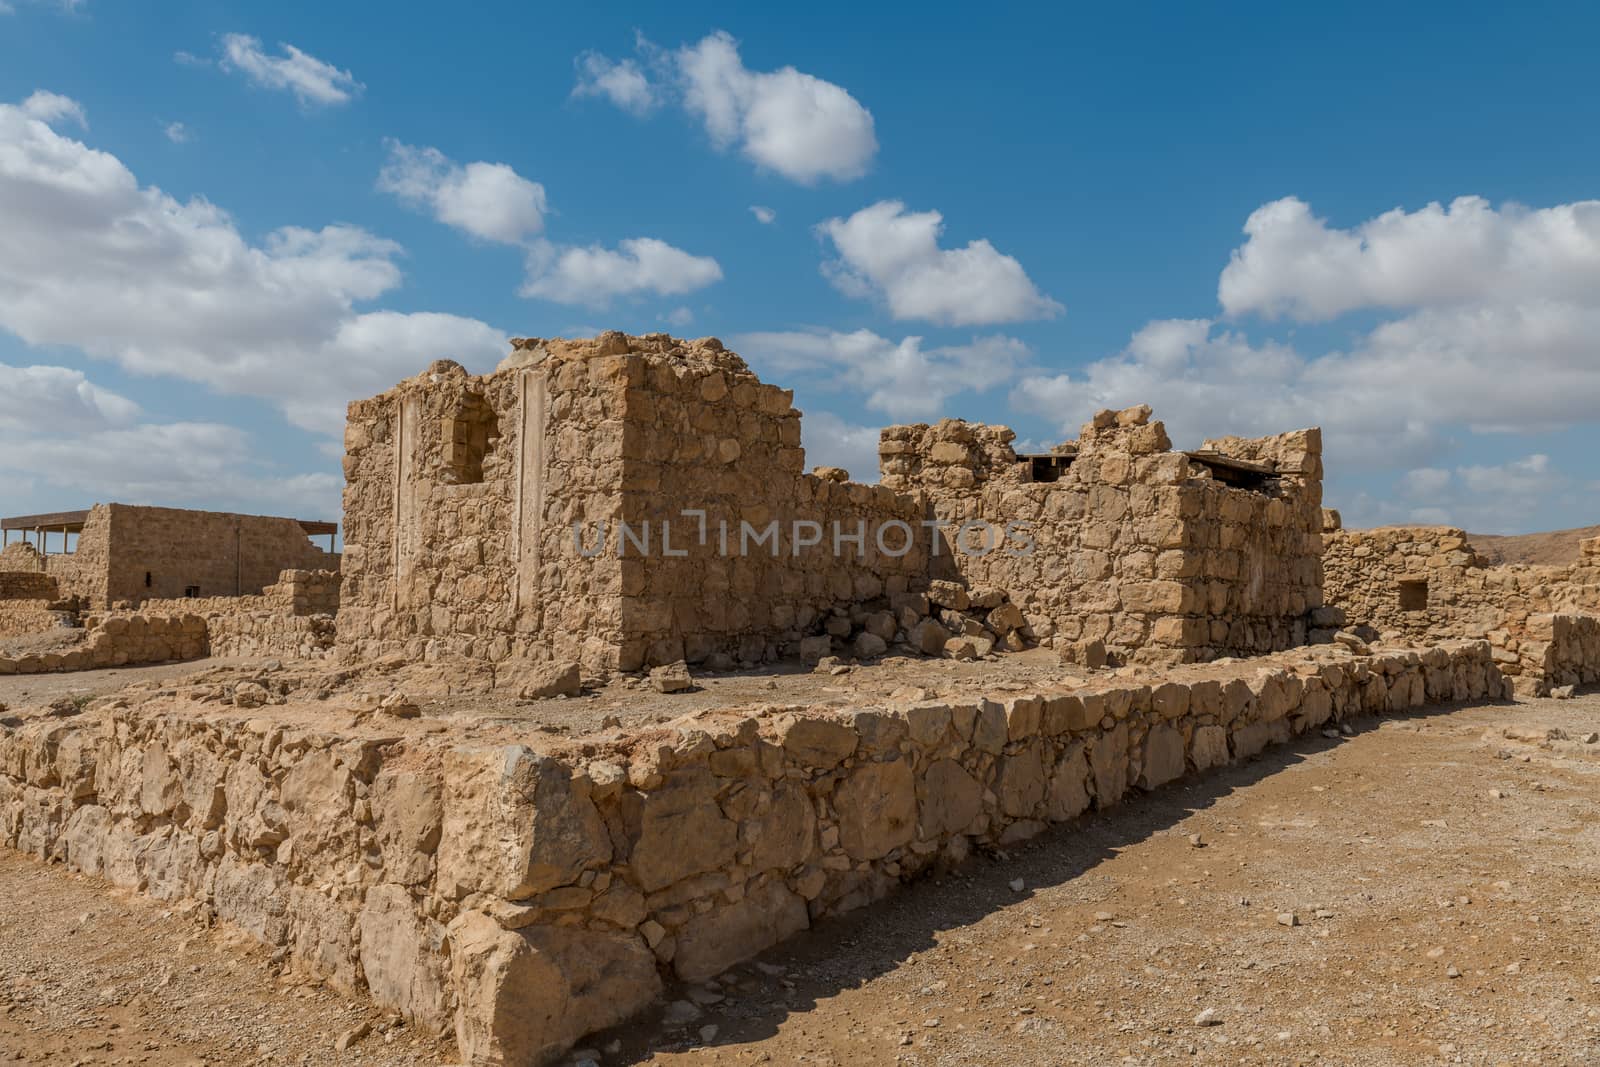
{"x":1441,"y":879}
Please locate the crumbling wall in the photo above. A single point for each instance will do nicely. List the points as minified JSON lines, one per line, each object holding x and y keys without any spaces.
{"x":527,"y":898}
{"x":119,"y":640}
{"x":713,"y":456}
{"x":20,"y":556}
{"x":1428,"y":583}
{"x":457,"y":555}
{"x":294,"y":618}
{"x":581,"y":451}
{"x":129,"y":554}
{"x":19,"y":618}
{"x":1127,"y":542}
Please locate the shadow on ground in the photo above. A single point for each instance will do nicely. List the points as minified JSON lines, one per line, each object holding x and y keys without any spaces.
{"x":845,"y":952}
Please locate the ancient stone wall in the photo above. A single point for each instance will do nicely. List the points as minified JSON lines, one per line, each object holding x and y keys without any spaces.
{"x":459,"y":498}
{"x":119,"y":640}
{"x":463,"y":494}
{"x":27,"y":585}
{"x":128,"y":554}
{"x":1117,"y":538}
{"x":294,"y":618}
{"x":20,"y":556}
{"x":18,"y":618}
{"x":526,"y":898}
{"x":713,"y":456}
{"x":1428,"y":583}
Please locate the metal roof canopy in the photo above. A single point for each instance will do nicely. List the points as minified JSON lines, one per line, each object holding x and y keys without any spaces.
{"x":73,"y":521}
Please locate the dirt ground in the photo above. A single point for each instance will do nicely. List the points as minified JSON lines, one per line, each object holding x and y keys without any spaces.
{"x":1422,"y":892}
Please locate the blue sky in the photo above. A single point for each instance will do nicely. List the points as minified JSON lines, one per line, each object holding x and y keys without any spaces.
{"x":220,"y":224}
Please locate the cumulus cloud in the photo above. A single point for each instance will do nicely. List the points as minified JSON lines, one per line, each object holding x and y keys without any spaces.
{"x":92,"y":259}
{"x":78,"y":437}
{"x":1294,"y":264}
{"x":487,"y":200}
{"x":830,"y":441}
{"x":56,"y":400}
{"x":53,"y":107}
{"x":903,"y":379}
{"x":764,"y":215}
{"x":177,"y":133}
{"x":595,"y":275}
{"x":620,"y":81}
{"x":889,"y":253}
{"x":312,"y":81}
{"x":793,"y":123}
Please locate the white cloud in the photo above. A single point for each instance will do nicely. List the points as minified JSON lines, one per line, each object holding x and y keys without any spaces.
{"x":487,"y":200}
{"x":81,"y":438}
{"x":90,"y":258}
{"x":678,"y":317}
{"x":311,"y":80}
{"x":620,"y":81}
{"x":1294,"y":264}
{"x":832,"y":442}
{"x":1486,"y":498}
{"x":53,"y":107}
{"x":796,"y":124}
{"x":57,"y":399}
{"x":594,"y":275}
{"x":890,"y":253}
{"x":902,"y":379}
{"x":177,"y":133}
{"x":764,"y":215}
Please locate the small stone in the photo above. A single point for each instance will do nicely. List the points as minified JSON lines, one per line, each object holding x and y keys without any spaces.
{"x":1208,"y":1017}
{"x":1452,"y":972}
{"x":400,"y":706}
{"x":1196,"y":841}
{"x":1288,"y":918}
{"x":1513,"y":968}
{"x":1017,"y":885}
{"x":708,"y":1033}
{"x":672,"y":678}
{"x":350,"y":1037}
{"x":1495,"y":794}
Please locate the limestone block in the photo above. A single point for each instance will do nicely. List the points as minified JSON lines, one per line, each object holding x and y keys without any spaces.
{"x":711,"y":943}
{"x":1020,"y":784}
{"x":816,"y":742}
{"x":877,"y":807}
{"x":784,"y":834}
{"x":950,"y":799}
{"x":1108,"y":760}
{"x":525,"y":996}
{"x":515,"y":824}
{"x":1163,"y":757}
{"x":678,"y":830}
{"x":1068,"y":795}
{"x":1209,"y":747}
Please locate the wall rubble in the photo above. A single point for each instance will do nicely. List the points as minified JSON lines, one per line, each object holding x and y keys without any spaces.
{"x":464,"y":883}
{"x":118,"y":640}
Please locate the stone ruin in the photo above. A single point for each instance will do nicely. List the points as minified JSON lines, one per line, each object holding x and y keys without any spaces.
{"x":215,"y":575}
{"x":484,"y":519}
{"x":521,"y":890}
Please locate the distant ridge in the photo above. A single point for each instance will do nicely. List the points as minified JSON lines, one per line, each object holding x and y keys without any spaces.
{"x":1552,"y":547}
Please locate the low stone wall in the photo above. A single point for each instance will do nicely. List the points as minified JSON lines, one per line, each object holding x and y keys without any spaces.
{"x":119,"y":640}
{"x":1559,"y":650}
{"x":292,"y":619}
{"x":529,"y":897}
{"x":27,"y":585}
{"x":19,"y":618}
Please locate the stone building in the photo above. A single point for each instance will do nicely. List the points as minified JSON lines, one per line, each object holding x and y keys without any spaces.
{"x":1157,"y":554}
{"x":618,"y":502}
{"x":630,"y":501}
{"x":126,"y":554}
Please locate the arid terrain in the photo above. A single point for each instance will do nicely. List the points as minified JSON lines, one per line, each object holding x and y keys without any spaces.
{"x":1550,"y":547}
{"x":1420,"y":892}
